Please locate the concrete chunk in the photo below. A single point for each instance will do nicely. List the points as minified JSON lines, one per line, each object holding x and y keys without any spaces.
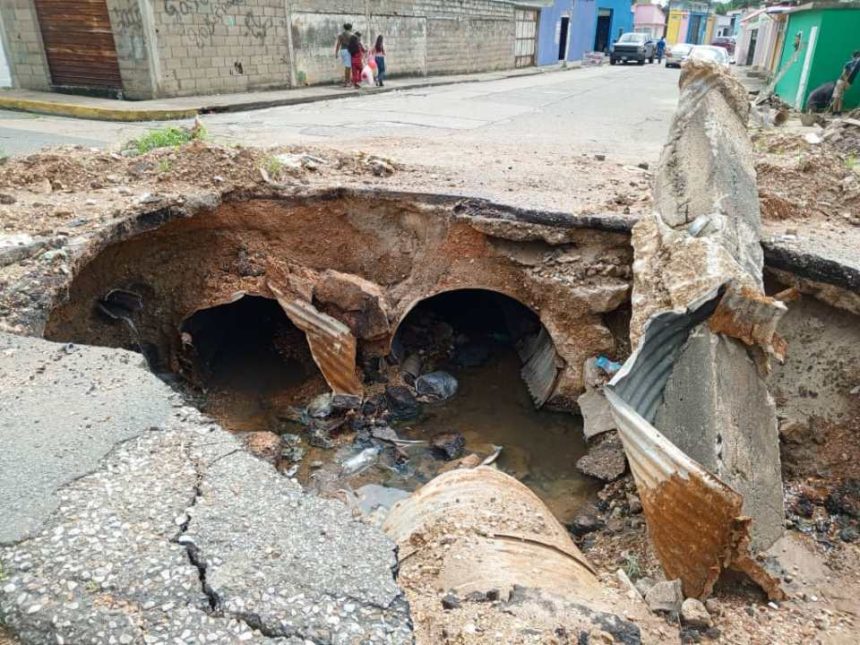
{"x":665,"y":596}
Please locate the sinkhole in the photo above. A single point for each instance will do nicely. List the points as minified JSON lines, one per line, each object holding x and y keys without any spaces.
{"x":321,"y":329}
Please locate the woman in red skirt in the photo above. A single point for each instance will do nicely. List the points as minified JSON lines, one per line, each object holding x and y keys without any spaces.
{"x":356,"y":52}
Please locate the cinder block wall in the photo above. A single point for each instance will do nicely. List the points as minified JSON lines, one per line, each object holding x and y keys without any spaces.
{"x":132,"y":47}
{"x":220,"y":46}
{"x":185,"y":47}
{"x":421,"y":38}
{"x":23,"y":40}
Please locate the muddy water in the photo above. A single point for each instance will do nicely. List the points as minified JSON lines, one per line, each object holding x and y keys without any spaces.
{"x":251,"y":384}
{"x":493,"y":408}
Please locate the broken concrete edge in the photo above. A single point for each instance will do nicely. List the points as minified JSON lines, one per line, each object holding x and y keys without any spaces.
{"x":143,"y":219}
{"x":694,"y":519}
{"x":174,"y":526}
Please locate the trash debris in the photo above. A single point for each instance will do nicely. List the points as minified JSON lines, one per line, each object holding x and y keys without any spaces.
{"x":401,"y":402}
{"x":321,"y":406}
{"x":361,"y":461}
{"x":608,"y":366}
{"x":448,"y":445}
{"x":436,"y":386}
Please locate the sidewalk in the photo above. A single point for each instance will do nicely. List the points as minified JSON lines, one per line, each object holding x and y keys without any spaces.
{"x":100,"y":109}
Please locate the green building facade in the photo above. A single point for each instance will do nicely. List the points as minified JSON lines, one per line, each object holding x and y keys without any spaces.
{"x":829,"y":33}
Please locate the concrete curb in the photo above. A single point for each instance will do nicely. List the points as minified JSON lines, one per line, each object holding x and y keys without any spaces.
{"x":98,"y":113}
{"x":93,"y":112}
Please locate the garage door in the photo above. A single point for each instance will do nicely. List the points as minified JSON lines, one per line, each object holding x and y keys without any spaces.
{"x":79,"y":44}
{"x":526,"y":36}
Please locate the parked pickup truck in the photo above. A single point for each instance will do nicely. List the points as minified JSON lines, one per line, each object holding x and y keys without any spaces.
{"x":632,"y":46}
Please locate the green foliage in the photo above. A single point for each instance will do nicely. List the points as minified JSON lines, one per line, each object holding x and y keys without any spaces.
{"x":851,"y":162}
{"x":272,"y":166}
{"x":164,"y":165}
{"x":169,"y":137}
{"x":632,"y":567}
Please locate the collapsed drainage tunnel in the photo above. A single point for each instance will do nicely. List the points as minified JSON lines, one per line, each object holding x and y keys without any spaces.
{"x":497,"y":350}
{"x":264,"y":304}
{"x":341,"y":275}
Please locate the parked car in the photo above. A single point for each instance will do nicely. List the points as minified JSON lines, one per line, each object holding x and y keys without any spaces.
{"x":707,"y":52}
{"x":726,"y":42}
{"x":677,"y":54}
{"x":632,"y":46}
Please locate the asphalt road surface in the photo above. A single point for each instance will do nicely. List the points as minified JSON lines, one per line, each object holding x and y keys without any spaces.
{"x":622,"y":111}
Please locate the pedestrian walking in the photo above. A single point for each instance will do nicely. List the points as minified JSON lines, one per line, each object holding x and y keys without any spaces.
{"x":356,"y":54}
{"x":661,"y":48}
{"x":341,"y":51}
{"x":846,"y":80}
{"x":378,"y":53}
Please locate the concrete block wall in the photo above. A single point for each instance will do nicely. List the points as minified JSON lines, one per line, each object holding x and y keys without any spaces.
{"x":220,"y":46}
{"x":469,"y":36}
{"x":421,"y":38}
{"x":187,"y":47}
{"x":132,"y":47}
{"x":23,"y":40}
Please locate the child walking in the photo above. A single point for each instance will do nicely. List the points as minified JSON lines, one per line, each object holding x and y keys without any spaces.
{"x":378,"y":53}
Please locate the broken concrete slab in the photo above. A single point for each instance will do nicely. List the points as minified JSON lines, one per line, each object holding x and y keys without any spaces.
{"x":605,"y":459}
{"x":717,"y":409}
{"x":270,"y":552}
{"x":700,"y":252}
{"x":596,"y":413}
{"x":177,"y":531}
{"x":50,"y":440}
{"x":665,"y":596}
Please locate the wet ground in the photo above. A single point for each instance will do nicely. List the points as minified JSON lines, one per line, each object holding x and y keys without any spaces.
{"x":254,"y":373}
{"x":492,"y":408}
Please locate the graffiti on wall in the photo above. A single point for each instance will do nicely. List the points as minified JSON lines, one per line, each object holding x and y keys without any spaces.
{"x":126,"y":20}
{"x":199,"y":18}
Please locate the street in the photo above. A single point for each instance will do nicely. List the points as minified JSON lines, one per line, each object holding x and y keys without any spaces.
{"x":622,"y":112}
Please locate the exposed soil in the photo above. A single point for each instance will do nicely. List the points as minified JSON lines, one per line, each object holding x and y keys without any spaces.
{"x":804,"y":181}
{"x":68,"y":202}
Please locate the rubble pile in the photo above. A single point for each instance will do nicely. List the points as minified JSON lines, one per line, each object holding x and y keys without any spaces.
{"x":810,"y":174}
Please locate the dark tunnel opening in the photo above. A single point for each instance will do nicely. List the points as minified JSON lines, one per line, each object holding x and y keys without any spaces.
{"x":249,"y":359}
{"x":479,"y":337}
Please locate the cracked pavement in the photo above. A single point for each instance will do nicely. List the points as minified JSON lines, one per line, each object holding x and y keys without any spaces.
{"x":178,"y":535}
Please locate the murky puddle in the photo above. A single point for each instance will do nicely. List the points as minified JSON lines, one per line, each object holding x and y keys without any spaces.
{"x":492,"y":407}
{"x":258,"y":375}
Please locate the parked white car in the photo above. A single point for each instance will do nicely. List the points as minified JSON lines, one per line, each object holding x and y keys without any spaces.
{"x":677,"y":54}
{"x":716,"y":55}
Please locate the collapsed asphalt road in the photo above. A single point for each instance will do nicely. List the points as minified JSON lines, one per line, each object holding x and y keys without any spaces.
{"x":170,"y":530}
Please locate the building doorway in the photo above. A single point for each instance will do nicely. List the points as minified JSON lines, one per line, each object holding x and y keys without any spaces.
{"x":602,"y":34}
{"x":525,"y":21}
{"x":79,"y":45}
{"x":694,"y":32}
{"x":751,"y":49}
{"x":562,"y":38}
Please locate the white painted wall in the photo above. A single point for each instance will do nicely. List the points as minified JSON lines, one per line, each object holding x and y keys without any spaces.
{"x":5,"y":74}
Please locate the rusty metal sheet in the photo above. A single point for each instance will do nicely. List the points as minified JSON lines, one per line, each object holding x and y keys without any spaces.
{"x":752,"y":318}
{"x":79,"y":43}
{"x":332,"y":345}
{"x":540,"y":366}
{"x":694,"y":519}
